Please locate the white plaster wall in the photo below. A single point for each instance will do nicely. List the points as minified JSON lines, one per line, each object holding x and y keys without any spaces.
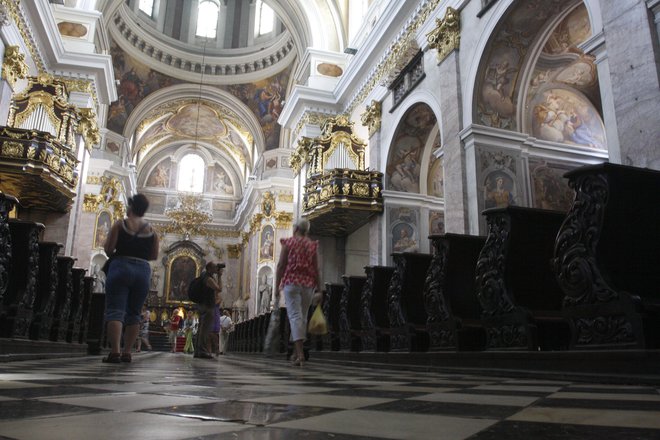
{"x":357,"y":251}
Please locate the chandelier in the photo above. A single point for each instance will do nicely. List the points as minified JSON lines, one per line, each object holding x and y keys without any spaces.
{"x":188,"y":217}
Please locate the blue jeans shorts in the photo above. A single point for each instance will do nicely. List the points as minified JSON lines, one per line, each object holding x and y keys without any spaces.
{"x":126,"y":289}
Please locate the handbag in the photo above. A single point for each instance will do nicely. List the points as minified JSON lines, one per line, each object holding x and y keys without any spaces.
{"x":317,"y":324}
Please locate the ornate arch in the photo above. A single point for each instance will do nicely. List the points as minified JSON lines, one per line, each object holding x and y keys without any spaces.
{"x":183,"y":261}
{"x":504,"y":60}
{"x":176,"y":150}
{"x":404,"y":166}
{"x":214,"y":96}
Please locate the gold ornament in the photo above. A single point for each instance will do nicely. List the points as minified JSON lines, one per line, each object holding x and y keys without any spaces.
{"x":372,"y":116}
{"x":88,"y":127}
{"x":14,"y":66}
{"x":447,"y":34}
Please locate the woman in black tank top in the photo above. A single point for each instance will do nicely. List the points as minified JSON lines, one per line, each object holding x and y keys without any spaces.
{"x":131,"y":243}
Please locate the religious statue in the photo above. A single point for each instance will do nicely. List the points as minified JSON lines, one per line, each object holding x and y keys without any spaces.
{"x":265,"y":294}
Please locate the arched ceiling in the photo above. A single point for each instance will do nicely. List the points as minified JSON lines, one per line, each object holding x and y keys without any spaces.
{"x":201,"y":121}
{"x":535,"y":61}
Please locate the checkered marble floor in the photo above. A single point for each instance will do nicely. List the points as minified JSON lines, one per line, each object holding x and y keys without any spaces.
{"x":165,"y":396}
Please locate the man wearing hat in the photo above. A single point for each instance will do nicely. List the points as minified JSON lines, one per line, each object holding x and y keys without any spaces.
{"x":212,"y":287}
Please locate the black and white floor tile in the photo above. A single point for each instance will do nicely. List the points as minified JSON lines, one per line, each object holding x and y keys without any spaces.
{"x":164,"y":396}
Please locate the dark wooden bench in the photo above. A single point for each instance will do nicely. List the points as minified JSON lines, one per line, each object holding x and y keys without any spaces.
{"x":16,"y":306}
{"x":331,"y":310}
{"x":85,"y":308}
{"x":607,"y":257}
{"x":452,"y":307}
{"x":75,"y":310}
{"x":515,"y":284}
{"x":59,"y":325}
{"x":7,"y":203}
{"x":349,"y":313}
{"x":405,"y":301}
{"x":44,"y":301}
{"x":375,"y":323}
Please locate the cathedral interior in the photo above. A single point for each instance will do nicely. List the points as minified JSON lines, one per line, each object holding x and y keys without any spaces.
{"x":479,"y":175}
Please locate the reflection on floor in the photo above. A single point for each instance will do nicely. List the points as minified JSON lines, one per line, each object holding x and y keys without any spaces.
{"x":172,"y":396}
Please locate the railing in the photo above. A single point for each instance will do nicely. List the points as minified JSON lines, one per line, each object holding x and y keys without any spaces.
{"x":341,"y":200}
{"x":28,"y":157}
{"x":343,"y":188}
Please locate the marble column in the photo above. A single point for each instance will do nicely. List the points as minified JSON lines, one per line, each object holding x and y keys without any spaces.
{"x":632,"y":51}
{"x":456,"y":212}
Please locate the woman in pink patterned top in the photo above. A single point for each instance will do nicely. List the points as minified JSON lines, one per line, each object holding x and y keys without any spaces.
{"x":297,"y":277}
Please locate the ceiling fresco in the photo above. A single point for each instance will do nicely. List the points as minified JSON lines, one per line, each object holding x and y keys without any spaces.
{"x":499,"y":87}
{"x":197,"y":121}
{"x":191,"y":120}
{"x":265,"y":98}
{"x":563,"y":92}
{"x":403,"y":165}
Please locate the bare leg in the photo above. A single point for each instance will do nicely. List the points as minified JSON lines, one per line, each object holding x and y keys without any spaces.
{"x":130,"y":334}
{"x":114,"y":335}
{"x":299,"y":353}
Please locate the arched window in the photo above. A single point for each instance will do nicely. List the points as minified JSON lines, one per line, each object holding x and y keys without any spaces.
{"x":207,"y":19}
{"x":147,"y":6}
{"x":265,"y":19}
{"x":191,"y":174}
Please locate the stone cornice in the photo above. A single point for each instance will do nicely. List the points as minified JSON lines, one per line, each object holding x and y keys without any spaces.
{"x":60,"y":62}
{"x":182,"y":64}
{"x":302,"y":100}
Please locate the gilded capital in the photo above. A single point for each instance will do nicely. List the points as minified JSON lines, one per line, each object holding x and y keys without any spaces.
{"x":447,"y":34}
{"x":245,"y":238}
{"x":285,"y":197}
{"x":372,"y":116}
{"x":91,"y":202}
{"x":299,"y":157}
{"x":5,"y":18}
{"x":284,"y":220}
{"x":87,"y":127}
{"x":14,"y":66}
{"x":234,"y":250}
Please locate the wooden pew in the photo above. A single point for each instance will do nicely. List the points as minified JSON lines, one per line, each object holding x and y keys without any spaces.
{"x":406,"y":303}
{"x":88,"y":289}
{"x":16,"y":307}
{"x":517,"y":289}
{"x":60,"y":323}
{"x":374,"y":320}
{"x":606,"y":257}
{"x":75,"y":311}
{"x":44,"y":301}
{"x":450,"y":299}
{"x":96,"y":323}
{"x":331,"y":311}
{"x":349,"y":313}
{"x":7,"y":203}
